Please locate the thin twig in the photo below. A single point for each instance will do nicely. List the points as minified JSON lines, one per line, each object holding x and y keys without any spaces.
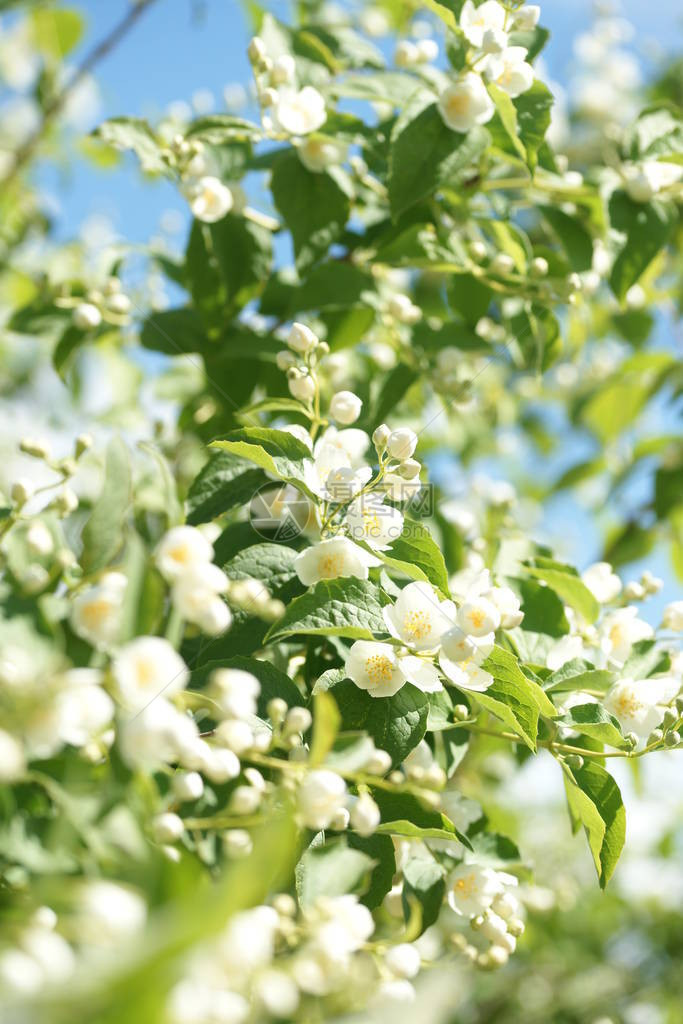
{"x":52,"y":109}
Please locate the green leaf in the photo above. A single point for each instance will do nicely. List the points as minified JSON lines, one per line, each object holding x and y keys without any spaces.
{"x":133,"y":133}
{"x":225,"y":482}
{"x":508,"y":118}
{"x":647,"y":227}
{"x":618,"y":400}
{"x":273,"y":564}
{"x":69,"y":343}
{"x":345,"y":607}
{"x":174,"y":331}
{"x":543,"y":609}
{"x":103,"y":532}
{"x":469,"y":296}
{"x":568,"y":585}
{"x":416,"y":554}
{"x":595,"y":802}
{"x":425,"y":153}
{"x":331,"y":869}
{"x":575,"y":239}
{"x":396,"y":724}
{"x":423,"y":880}
{"x":513,"y":698}
{"x":381,"y":849}
{"x":405,"y":815}
{"x":593,"y":720}
{"x":313,"y":206}
{"x":56,"y":31}
{"x":226,"y":265}
{"x":276,"y":451}
{"x":326,"y":722}
{"x":533,"y":119}
{"x":397,"y":382}
{"x":578,"y":674}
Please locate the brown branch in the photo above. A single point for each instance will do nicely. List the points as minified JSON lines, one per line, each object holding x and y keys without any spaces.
{"x":52,"y":109}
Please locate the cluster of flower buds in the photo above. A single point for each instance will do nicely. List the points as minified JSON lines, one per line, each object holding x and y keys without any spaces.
{"x":252,"y":596}
{"x":287,"y":109}
{"x":411,"y":54}
{"x":110,"y":305}
{"x":301,"y":361}
{"x":210,"y":198}
{"x":184,"y":558}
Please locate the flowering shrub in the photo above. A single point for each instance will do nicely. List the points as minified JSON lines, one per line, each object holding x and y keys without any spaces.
{"x":262,"y":654}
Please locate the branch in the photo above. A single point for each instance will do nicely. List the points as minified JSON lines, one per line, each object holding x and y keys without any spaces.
{"x":52,"y":109}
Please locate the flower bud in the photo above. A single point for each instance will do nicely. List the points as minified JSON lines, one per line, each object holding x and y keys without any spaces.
{"x":38,"y":449}
{"x":66,"y":501}
{"x":402,"y":443}
{"x":39,"y":539}
{"x":256,"y":51}
{"x":21,"y":491}
{"x":539,"y":266}
{"x":301,"y":338}
{"x":302,"y":388}
{"x":298,"y":720}
{"x":477,"y":251}
{"x":656,"y":736}
{"x":403,"y":960}
{"x":87,"y":317}
{"x":409,"y":469}
{"x":276,"y":710}
{"x":237,"y":843}
{"x":365,"y":815}
{"x":379,"y":763}
{"x":574,"y":761}
{"x":502,"y":263}
{"x":167,"y":827}
{"x":285,"y":360}
{"x":672,"y":739}
{"x":380,"y":436}
{"x":236,"y":735}
{"x":187,"y":786}
{"x":83,"y":443}
{"x":284,"y":70}
{"x":516,"y":927}
{"x":461,"y":712}
{"x":268,"y":97}
{"x":244,"y":800}
{"x":68,"y":467}
{"x":345,"y":407}
{"x":669,"y":718}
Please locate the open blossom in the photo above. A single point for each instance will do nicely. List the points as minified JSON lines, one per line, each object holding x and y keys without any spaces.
{"x":344,"y":483}
{"x":466,"y":103}
{"x":643,"y":181}
{"x":475,"y":21}
{"x":638,"y":704}
{"x":235,"y":691}
{"x":369,"y":519}
{"x":619,"y":631}
{"x":145,"y":669}
{"x":602,"y":581}
{"x":510,"y":71}
{"x":96,"y":612}
{"x":299,"y":112}
{"x":331,"y":559}
{"x":159,"y":734}
{"x":196,"y":598}
{"x":527,"y":17}
{"x":419,"y":617}
{"x":461,"y":656}
{"x":321,"y":795}
{"x":377,"y":668}
{"x":478,"y":617}
{"x":317,"y":153}
{"x":472,"y":889}
{"x":209,"y":199}
{"x":181,"y":548}
{"x":672,"y":617}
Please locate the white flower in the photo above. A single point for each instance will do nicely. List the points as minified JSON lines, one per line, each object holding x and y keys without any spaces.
{"x":167,"y":827}
{"x":369,"y":519}
{"x":672,"y":618}
{"x":375,"y":667}
{"x":302,"y":388}
{"x":564,"y":650}
{"x":466,"y":103}
{"x":278,"y":993}
{"x":195,"y":597}
{"x":284,"y":70}
{"x":352,"y":441}
{"x":83,"y":707}
{"x":12,"y":759}
{"x":527,"y":17}
{"x":39,"y":539}
{"x":86,"y":316}
{"x":478,"y":617}
{"x":638,"y":703}
{"x":146,"y":668}
{"x":458,"y":646}
{"x":209,"y":199}
{"x":181,"y":548}
{"x":96,"y":611}
{"x":299,"y":112}
{"x":108,"y":912}
{"x":317,"y":153}
{"x":187,"y":786}
{"x":466,"y":674}
{"x":301,"y":338}
{"x":331,"y":559}
{"x":619,"y":631}
{"x":644,"y":181}
{"x":193,"y":1001}
{"x":403,"y":309}
{"x":510,"y":71}
{"x":419,"y":617}
{"x":235,"y":691}
{"x":475,"y":21}
{"x":406,"y":54}
{"x":50,"y":951}
{"x":472,"y":888}
{"x":508,"y":604}
{"x":602,"y":581}
{"x":352,"y":923}
{"x":402,"y":443}
{"x":345,"y":407}
{"x":365,"y":816}
{"x":321,"y":795}
{"x":344,"y":483}
{"x":398,"y":489}
{"x":159,"y":734}
{"x":403,"y":960}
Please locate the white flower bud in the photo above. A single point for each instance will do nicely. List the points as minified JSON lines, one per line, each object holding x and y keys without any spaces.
{"x":403,"y":309}
{"x":236,"y":735}
{"x":268,"y":97}
{"x":244,"y":800}
{"x":12,"y":760}
{"x":340,"y":820}
{"x":167,"y":827}
{"x":83,"y":443}
{"x":37,"y":448}
{"x":237,"y":843}
{"x":285,"y":360}
{"x":379,"y":763}
{"x":345,"y":407}
{"x":298,"y":720}
{"x":402,"y":443}
{"x":284,"y":70}
{"x":187,"y":786}
{"x":222,"y":765}
{"x":119,"y":303}
{"x":502,"y":263}
{"x":66,"y":501}
{"x":478,"y":251}
{"x":409,"y":469}
{"x":380,"y":436}
{"x":403,"y":960}
{"x":301,"y":338}
{"x":672,"y":617}
{"x":277,"y":709}
{"x":539,"y":266}
{"x":406,"y":54}
{"x":39,"y":539}
{"x":256,"y":51}
{"x":365,"y":815}
{"x":427,"y":51}
{"x":321,"y":795}
{"x":302,"y":388}
{"x":86,"y":316}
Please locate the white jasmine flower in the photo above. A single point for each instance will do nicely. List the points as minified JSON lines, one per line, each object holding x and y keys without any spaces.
{"x":638,"y":704}
{"x":278,"y":993}
{"x":182,"y":548}
{"x":108,"y":912}
{"x":299,"y":112}
{"x":458,"y":646}
{"x":321,"y":795}
{"x":643,"y":181}
{"x":403,"y":960}
{"x":86,"y":316}
{"x":510,"y":71}
{"x":466,"y":103}
{"x":352,"y":441}
{"x":602,"y":581}
{"x":331,"y":559}
{"x":345,"y":407}
{"x":406,"y":54}
{"x":209,"y":199}
{"x":527,"y":17}
{"x":39,"y":539}
{"x":283,"y":71}
{"x":475,"y":21}
{"x":419,"y":617}
{"x":619,"y":631}
{"x":427,"y":51}
{"x":478,"y":617}
{"x":146,"y":668}
{"x":318,"y":152}
{"x":369,"y":519}
{"x":235,"y":691}
{"x":83,"y":707}
{"x":402,"y":443}
{"x":96,"y":611}
{"x":466,"y":674}
{"x":12,"y":759}
{"x":375,"y":667}
{"x":403,"y":309}
{"x":471,"y":888}
{"x":398,"y":489}
{"x":508,"y":604}
{"x":50,"y":951}
{"x":352,"y":923}
{"x":159,"y":734}
{"x":343,"y":482}
{"x":365,"y":815}
{"x":672,"y":617}
{"x":301,"y":338}
{"x":195,"y":597}
{"x":564,"y":650}
{"x":302,"y":388}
